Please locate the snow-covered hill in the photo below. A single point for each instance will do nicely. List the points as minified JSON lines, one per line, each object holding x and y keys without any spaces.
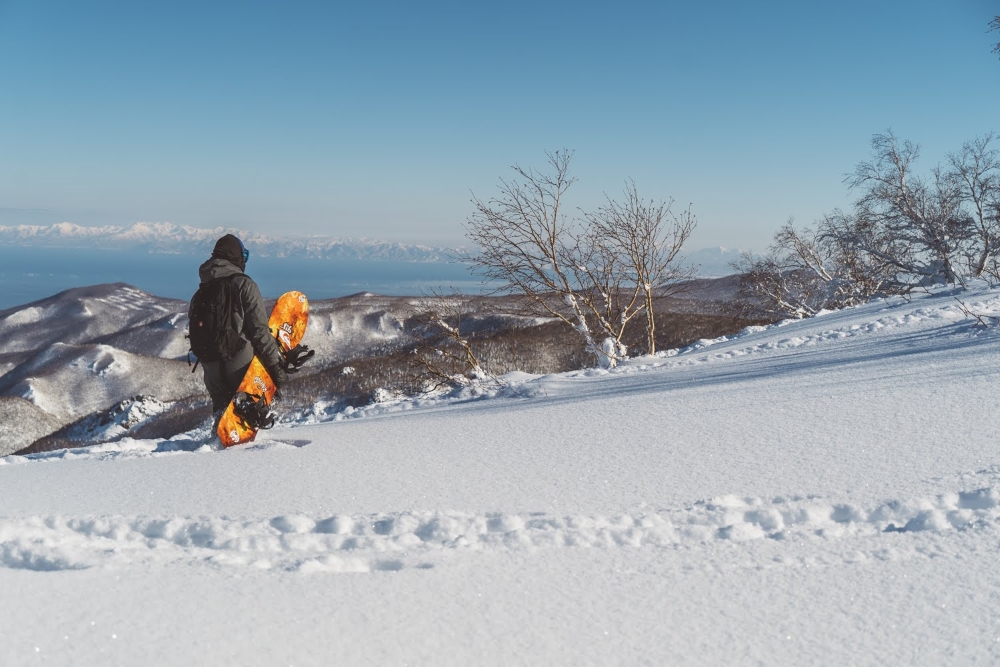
{"x":80,"y":352}
{"x":22,"y":422}
{"x":184,"y":239}
{"x":130,"y":320}
{"x":86,"y":314}
{"x":819,"y":492}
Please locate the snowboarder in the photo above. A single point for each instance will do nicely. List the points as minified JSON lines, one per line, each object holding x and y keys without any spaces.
{"x":248,"y":320}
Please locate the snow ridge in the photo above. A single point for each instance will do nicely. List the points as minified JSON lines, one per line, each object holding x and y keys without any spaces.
{"x":397,"y":540}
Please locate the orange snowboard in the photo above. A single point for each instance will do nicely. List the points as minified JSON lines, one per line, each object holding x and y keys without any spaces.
{"x":288,"y":324}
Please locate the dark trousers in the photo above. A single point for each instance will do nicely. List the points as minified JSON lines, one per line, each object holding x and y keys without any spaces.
{"x":223,"y":378}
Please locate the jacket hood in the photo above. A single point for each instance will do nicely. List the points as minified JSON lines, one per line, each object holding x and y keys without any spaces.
{"x":230,"y":247}
{"x":217,"y":268}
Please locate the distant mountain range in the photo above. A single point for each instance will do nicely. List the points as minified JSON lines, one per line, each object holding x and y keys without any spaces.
{"x":713,"y":262}
{"x":165,"y":237}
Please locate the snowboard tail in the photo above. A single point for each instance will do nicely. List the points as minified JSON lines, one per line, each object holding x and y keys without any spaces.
{"x":250,"y":408}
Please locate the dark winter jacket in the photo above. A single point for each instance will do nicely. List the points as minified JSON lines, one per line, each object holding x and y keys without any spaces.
{"x":250,"y":317}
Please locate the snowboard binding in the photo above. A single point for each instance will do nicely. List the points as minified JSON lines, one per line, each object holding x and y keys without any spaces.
{"x":253,"y":411}
{"x":296,"y":357}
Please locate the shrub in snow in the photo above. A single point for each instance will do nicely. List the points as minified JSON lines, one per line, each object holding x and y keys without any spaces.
{"x":381,"y":395}
{"x":611,"y":351}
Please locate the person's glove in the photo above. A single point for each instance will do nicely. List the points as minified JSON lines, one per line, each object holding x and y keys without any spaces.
{"x":295,"y":357}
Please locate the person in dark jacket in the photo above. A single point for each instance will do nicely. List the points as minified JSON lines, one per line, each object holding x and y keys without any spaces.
{"x":222,"y":378}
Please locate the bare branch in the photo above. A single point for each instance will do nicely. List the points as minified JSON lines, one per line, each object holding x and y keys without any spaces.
{"x":995,"y":25}
{"x":984,"y":321}
{"x":445,"y":357}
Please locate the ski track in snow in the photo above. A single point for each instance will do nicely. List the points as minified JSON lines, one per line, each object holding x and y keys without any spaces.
{"x":389,"y":542}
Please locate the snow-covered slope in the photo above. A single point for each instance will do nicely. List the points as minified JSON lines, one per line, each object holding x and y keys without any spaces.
{"x":356,"y":324}
{"x":87,"y":314}
{"x":21,"y":423}
{"x":70,"y":381}
{"x":819,"y":492}
{"x":84,"y":349}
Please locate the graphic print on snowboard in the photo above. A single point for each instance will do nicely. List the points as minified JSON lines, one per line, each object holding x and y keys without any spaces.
{"x":288,"y":324}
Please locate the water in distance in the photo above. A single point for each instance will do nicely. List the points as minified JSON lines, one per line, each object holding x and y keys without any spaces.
{"x":31,"y":273}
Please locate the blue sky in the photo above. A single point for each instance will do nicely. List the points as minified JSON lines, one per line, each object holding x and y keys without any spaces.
{"x":378,"y":119}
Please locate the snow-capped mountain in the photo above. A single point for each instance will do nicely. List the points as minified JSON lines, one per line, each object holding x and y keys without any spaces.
{"x":165,"y":237}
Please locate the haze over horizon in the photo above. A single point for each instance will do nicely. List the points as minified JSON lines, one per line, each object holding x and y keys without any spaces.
{"x":379,"y":121}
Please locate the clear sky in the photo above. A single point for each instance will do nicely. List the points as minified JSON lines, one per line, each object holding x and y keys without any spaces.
{"x":378,"y":118}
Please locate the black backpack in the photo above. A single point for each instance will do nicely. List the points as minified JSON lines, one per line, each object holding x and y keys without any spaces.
{"x":211,"y":331}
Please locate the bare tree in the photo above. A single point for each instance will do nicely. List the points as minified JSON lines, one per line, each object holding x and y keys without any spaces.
{"x":770,"y":286}
{"x":976,"y":168}
{"x":805,"y":271}
{"x":604,"y":290}
{"x":526,"y":243}
{"x":920,"y":223}
{"x":792,"y":279}
{"x":904,"y":231}
{"x":860,"y":275}
{"x":634,"y":260}
{"x":595,"y":273}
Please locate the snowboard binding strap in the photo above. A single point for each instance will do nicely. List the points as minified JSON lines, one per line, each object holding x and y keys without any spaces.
{"x":296,"y":357}
{"x":253,"y":411}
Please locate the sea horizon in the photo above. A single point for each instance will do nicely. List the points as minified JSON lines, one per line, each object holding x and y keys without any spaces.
{"x":31,"y":273}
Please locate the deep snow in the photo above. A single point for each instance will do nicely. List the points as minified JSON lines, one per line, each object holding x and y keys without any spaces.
{"x":818,"y":492}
